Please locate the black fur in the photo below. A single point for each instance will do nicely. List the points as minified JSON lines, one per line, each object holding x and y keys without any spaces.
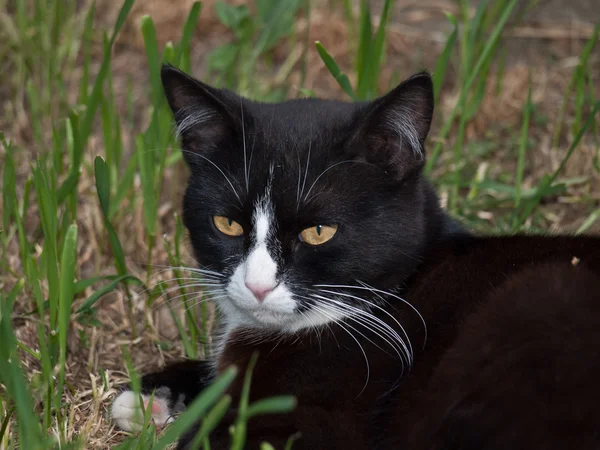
{"x":509,"y":361}
{"x":386,"y":211}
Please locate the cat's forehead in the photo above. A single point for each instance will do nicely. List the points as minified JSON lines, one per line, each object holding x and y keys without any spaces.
{"x":301,"y":120}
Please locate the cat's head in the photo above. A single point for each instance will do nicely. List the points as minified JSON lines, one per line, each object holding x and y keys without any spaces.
{"x":297,"y":210}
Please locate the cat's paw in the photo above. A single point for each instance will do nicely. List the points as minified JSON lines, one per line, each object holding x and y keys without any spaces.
{"x":128,"y":414}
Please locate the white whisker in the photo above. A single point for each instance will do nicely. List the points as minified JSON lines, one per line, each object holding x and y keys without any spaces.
{"x":299,"y":177}
{"x":358,"y":321}
{"x":375,"y":290}
{"x":326,"y":314}
{"x":373,"y":324}
{"x":244,"y":143}
{"x":325,"y":171}
{"x":341,"y":294}
{"x":211,"y":299}
{"x":220,"y":171}
{"x":307,"y":164}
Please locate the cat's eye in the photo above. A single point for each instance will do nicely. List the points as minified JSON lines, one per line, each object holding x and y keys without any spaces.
{"x":317,"y":235}
{"x":228,"y":226}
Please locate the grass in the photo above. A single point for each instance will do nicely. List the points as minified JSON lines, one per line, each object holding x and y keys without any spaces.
{"x":93,"y":288}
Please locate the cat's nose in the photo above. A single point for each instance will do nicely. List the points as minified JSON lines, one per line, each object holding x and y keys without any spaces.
{"x":260,"y":291}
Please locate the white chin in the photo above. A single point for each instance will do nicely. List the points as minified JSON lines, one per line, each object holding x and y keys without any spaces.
{"x":273,"y":318}
{"x":264,"y":317}
{"x":238,"y":316}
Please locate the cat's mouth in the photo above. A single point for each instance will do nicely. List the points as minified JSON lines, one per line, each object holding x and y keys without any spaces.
{"x":269,"y":314}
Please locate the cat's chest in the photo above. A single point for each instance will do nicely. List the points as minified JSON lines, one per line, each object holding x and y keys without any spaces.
{"x":320,"y":367}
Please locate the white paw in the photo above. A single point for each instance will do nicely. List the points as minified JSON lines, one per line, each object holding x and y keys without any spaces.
{"x":128,"y":415}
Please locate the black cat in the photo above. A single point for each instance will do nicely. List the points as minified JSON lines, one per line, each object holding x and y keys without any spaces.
{"x":325,"y":248}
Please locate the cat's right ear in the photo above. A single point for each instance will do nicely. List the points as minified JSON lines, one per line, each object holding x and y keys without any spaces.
{"x":396,"y":125}
{"x":200,"y":111}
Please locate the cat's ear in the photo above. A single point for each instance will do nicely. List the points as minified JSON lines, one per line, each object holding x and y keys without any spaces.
{"x":200,"y":111}
{"x":396,"y":126}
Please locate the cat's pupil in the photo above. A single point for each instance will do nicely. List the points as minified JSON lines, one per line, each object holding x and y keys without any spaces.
{"x":230,"y":221}
{"x":318,"y":227}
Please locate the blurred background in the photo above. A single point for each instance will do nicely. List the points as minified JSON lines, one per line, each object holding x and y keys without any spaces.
{"x":92,"y":176}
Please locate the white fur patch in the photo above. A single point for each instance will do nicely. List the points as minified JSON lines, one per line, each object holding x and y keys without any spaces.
{"x":128,"y":415}
{"x":278,"y":308}
{"x":263,"y":219}
{"x":260,"y":268}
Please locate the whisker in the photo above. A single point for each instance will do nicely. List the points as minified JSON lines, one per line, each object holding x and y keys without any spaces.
{"x":374,"y":290}
{"x":165,"y":268}
{"x":299,"y":176}
{"x":219,"y":169}
{"x":212,"y":299}
{"x":307,"y":163}
{"x":165,"y":293}
{"x":244,"y":142}
{"x":373,"y":324}
{"x":339,"y":323}
{"x":341,"y":294}
{"x":334,"y":309}
{"x":327,"y":170}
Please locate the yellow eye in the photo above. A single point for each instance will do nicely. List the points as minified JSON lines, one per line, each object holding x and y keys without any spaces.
{"x":319,"y":234}
{"x":228,"y":226}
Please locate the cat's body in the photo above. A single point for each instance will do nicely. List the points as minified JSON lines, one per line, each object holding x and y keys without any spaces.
{"x":338,"y":310}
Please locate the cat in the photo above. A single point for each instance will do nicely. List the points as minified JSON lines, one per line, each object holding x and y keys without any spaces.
{"x":324,"y":248}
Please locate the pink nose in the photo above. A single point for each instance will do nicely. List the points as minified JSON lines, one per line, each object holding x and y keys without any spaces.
{"x":259,"y":291}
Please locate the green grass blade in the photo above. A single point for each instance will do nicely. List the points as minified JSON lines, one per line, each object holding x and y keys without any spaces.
{"x":486,"y":54}
{"x":491,"y":43}
{"x":5,"y":422}
{"x":82,"y":285}
{"x":375,"y":56}
{"x":97,"y":91}
{"x":589,"y":221}
{"x":273,"y":405}
{"x":189,"y":349}
{"x":146,"y":166}
{"x":523,"y":146}
{"x":212,"y":419}
{"x":86,"y":44}
{"x":334,"y":69}
{"x":239,"y":432}
{"x":583,"y":59}
{"x":441,"y":65}
{"x":183,"y":47}
{"x":547,"y":180}
{"x":365,"y":38}
{"x":17,"y":388}
{"x":48,"y":212}
{"x":69,"y":187}
{"x":199,"y":406}
{"x":9,"y":184}
{"x":109,"y":287}
{"x":151,"y":46}
{"x":67,"y":287}
{"x":102,"y":174}
{"x":125,"y":185}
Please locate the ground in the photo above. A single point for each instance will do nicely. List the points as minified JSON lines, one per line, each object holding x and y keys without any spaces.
{"x":545,"y":44}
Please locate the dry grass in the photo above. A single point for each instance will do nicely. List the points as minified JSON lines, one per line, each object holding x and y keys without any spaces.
{"x":415,"y":41}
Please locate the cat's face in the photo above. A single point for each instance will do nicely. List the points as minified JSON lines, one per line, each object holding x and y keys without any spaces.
{"x":295,"y":209}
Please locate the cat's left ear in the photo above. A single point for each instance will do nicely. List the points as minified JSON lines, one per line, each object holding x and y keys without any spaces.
{"x":396,"y":126}
{"x":202,"y":113}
